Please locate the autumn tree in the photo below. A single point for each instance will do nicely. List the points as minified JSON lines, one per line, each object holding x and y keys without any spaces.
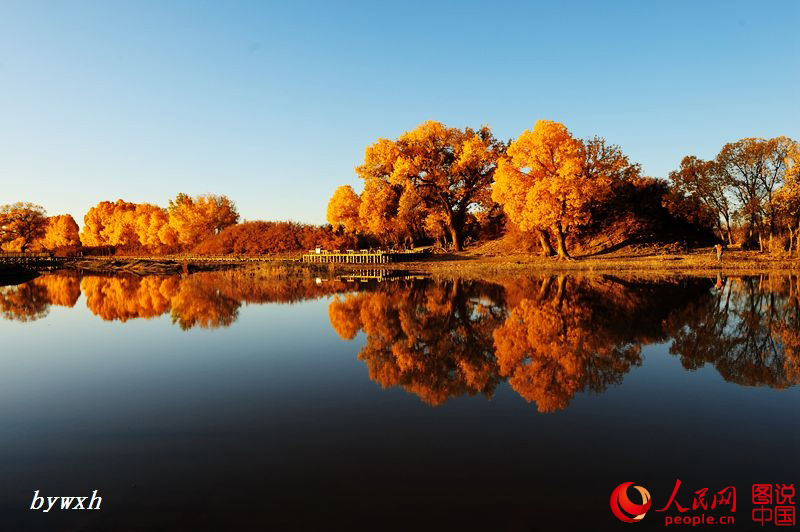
{"x":198,"y":218}
{"x":151,"y":224}
{"x":60,"y":232}
{"x":786,"y":201}
{"x":549,"y":180}
{"x":110,"y":224}
{"x":143,"y":226}
{"x":754,"y":168}
{"x":704,"y":182}
{"x":378,"y":211}
{"x":449,"y":170}
{"x":21,"y":224}
{"x":343,"y":209}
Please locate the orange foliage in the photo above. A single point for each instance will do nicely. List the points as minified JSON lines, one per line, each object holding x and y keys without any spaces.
{"x":550,"y":348}
{"x":256,"y":238}
{"x":545,"y":182}
{"x":61,"y":232}
{"x":343,"y":209}
{"x":199,"y":218}
{"x":205,"y":299}
{"x":146,"y":227}
{"x":430,"y":178}
{"x":20,"y":225}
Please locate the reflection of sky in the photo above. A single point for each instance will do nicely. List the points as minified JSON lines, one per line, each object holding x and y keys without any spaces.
{"x":279,"y":397}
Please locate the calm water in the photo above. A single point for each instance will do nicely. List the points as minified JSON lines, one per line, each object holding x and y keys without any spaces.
{"x":236,"y":401}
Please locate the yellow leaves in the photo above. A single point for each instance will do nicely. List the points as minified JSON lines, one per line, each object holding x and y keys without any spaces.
{"x":377,"y":212}
{"x":448,"y":169}
{"x":343,"y":208}
{"x":549,"y":180}
{"x":20,"y":224}
{"x":541,"y":180}
{"x":144,"y":226}
{"x":60,"y":232}
{"x":196,"y":219}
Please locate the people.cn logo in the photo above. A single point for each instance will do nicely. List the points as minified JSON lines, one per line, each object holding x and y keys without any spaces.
{"x":624,"y":509}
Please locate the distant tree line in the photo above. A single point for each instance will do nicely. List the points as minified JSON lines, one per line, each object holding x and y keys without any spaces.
{"x":447,"y":186}
{"x":207,"y":224}
{"x":751,"y":189}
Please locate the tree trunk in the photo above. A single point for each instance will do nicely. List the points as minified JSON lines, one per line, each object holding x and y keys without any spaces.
{"x":562,"y":283}
{"x":561,"y":243}
{"x":544,"y":240}
{"x":797,"y":237}
{"x":455,"y":234}
{"x":728,"y":231}
{"x":760,"y":242}
{"x":791,"y":239}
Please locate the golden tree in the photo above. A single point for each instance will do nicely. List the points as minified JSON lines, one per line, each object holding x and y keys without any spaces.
{"x":21,"y":224}
{"x":153,"y":230}
{"x":545,"y":184}
{"x":110,"y":224}
{"x":60,"y":232}
{"x":378,"y":211}
{"x":343,"y":209}
{"x":786,"y":201}
{"x":450,"y":170}
{"x":198,"y":218}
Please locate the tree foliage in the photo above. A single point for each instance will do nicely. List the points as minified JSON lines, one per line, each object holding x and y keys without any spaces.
{"x":433,"y":171}
{"x":256,"y":238}
{"x":60,"y":232}
{"x":550,"y":180}
{"x":343,"y":209}
{"x":21,"y":224}
{"x":150,"y":228}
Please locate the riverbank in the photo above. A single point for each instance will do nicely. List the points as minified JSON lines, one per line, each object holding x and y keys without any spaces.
{"x":473,"y":264}
{"x":701,"y":261}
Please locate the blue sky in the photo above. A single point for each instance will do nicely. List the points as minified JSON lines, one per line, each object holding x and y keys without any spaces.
{"x":273,"y":103}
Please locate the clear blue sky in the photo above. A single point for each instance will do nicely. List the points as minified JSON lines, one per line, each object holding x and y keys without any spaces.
{"x":273,"y":103}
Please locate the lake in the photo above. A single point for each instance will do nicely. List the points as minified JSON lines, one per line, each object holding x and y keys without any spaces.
{"x":246,"y":400}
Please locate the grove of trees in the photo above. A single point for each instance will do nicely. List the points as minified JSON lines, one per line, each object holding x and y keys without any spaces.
{"x":448,"y":187}
{"x":751,"y":189}
{"x":441,"y":184}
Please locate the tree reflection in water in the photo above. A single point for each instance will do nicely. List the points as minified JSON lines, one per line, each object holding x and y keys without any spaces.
{"x":554,"y":336}
{"x":748,"y":328}
{"x":32,"y":300}
{"x":549,"y":337}
{"x":432,"y":338}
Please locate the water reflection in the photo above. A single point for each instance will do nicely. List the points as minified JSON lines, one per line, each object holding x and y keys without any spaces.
{"x":549,"y":337}
{"x":432,"y":338}
{"x":205,"y":300}
{"x":32,"y":300}
{"x":748,"y":328}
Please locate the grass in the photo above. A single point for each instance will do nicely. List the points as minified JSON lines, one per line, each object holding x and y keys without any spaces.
{"x":473,"y":263}
{"x":699,"y":261}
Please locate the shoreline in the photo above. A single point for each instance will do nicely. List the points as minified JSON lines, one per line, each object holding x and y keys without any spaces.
{"x":700,"y":262}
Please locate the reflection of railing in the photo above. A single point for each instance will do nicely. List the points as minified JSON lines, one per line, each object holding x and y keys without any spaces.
{"x":364,"y":276}
{"x":361,"y":256}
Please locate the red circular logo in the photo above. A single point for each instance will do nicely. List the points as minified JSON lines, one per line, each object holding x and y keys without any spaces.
{"x":624,"y":509}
